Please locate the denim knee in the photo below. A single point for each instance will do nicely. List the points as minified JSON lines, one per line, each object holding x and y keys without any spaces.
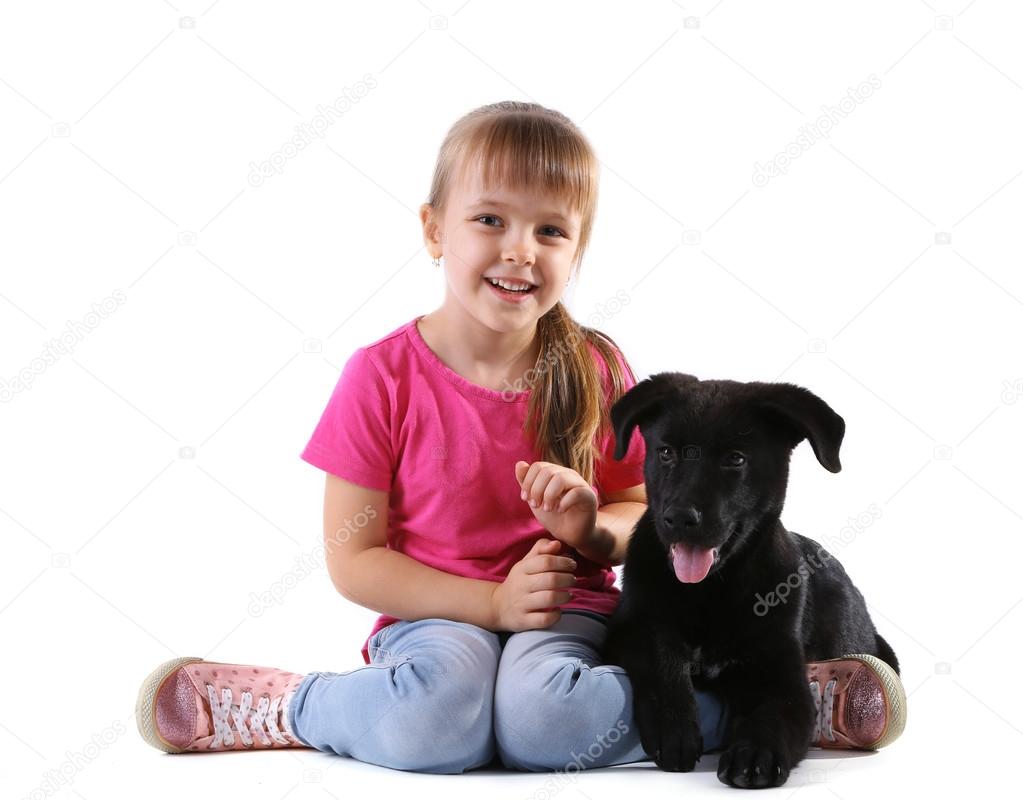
{"x":540,"y":725}
{"x":441,"y":719}
{"x":447,"y":727}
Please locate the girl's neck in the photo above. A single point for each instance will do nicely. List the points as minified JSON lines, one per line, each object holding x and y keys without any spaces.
{"x":483,"y":356}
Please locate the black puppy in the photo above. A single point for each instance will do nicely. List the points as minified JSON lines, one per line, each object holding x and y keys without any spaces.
{"x":706,"y":552}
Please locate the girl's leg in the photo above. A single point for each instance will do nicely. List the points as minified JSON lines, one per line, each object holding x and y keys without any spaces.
{"x":556,"y":705}
{"x":424,"y":703}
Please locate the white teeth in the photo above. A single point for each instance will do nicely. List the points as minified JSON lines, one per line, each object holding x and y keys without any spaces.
{"x":512,"y":287}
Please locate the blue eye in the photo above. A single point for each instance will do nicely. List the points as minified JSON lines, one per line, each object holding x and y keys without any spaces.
{"x":557,"y":231}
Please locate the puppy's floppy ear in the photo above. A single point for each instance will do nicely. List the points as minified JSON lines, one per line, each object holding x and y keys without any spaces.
{"x":807,"y":416}
{"x":639,"y":403}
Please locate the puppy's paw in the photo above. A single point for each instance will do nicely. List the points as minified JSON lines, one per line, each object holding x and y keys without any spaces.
{"x":675,"y":744}
{"x":680,"y":750}
{"x":748,"y":765}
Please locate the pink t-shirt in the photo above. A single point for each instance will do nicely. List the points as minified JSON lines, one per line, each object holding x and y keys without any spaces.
{"x":401,"y":420}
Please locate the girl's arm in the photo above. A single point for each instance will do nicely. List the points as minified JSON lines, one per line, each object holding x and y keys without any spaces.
{"x":393,"y":583}
{"x":615,"y":523}
{"x":364,"y":571}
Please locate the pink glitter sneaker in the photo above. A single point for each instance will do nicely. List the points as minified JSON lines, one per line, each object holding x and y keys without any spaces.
{"x":861,"y":703}
{"x":188,"y":704}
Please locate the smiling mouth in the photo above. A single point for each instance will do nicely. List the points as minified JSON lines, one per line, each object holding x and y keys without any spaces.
{"x":519,"y":288}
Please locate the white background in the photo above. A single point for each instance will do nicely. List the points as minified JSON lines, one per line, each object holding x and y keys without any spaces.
{"x":150,"y":484}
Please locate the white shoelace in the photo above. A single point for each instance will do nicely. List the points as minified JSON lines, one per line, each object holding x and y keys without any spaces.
{"x":825,"y":708}
{"x":245,"y":718}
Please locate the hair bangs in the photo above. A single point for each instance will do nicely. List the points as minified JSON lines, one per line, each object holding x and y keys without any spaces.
{"x":534,"y":155}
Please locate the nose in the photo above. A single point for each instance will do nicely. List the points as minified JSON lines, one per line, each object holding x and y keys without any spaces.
{"x":688,"y":516}
{"x":518,"y":256}
{"x":518,"y":251}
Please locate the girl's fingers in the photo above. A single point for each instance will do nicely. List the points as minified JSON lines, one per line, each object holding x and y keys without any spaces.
{"x":545,"y":598}
{"x":547,"y":560}
{"x":536,"y":480}
{"x":574,"y":495}
{"x":544,"y":546}
{"x":546,"y":581}
{"x":553,"y":493}
{"x":539,"y":488}
{"x":544,"y":485}
{"x":526,"y":481}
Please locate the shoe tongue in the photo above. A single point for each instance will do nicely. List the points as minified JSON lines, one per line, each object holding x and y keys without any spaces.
{"x":203,"y":720}
{"x":691,"y":562}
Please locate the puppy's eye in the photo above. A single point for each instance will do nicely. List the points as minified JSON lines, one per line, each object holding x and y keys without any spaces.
{"x":735,"y":459}
{"x":666,"y":454}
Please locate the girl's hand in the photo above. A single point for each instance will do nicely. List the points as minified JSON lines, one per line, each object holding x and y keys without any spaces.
{"x":561,"y":500}
{"x":535,"y":587}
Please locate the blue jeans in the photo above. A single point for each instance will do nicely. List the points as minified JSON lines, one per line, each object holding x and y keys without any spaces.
{"x":447,"y":697}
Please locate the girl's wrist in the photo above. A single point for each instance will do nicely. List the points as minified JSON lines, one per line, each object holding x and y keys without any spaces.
{"x":493,"y":616}
{"x":598,"y":546}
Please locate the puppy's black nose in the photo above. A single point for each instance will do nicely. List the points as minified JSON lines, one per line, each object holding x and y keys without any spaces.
{"x":687,"y":516}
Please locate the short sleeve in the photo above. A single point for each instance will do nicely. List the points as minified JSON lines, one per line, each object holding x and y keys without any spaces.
{"x":352,"y":439}
{"x":610,"y":475}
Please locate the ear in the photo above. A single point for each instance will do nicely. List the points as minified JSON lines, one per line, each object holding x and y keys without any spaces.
{"x":429,"y":218}
{"x":640,"y":403}
{"x":807,"y":416}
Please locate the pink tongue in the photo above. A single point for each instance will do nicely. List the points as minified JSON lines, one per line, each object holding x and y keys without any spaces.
{"x":691,"y":563}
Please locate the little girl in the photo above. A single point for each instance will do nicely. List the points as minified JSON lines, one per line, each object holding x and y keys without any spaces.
{"x":472,"y":500}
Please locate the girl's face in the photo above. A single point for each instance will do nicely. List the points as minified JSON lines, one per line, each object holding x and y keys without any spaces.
{"x":486,"y":235}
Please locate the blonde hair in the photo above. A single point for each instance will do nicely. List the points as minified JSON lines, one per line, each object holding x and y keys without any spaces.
{"x":524,"y":146}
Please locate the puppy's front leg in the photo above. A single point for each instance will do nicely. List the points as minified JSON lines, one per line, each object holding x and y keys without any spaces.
{"x":772,"y":718}
{"x":659,"y":667}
